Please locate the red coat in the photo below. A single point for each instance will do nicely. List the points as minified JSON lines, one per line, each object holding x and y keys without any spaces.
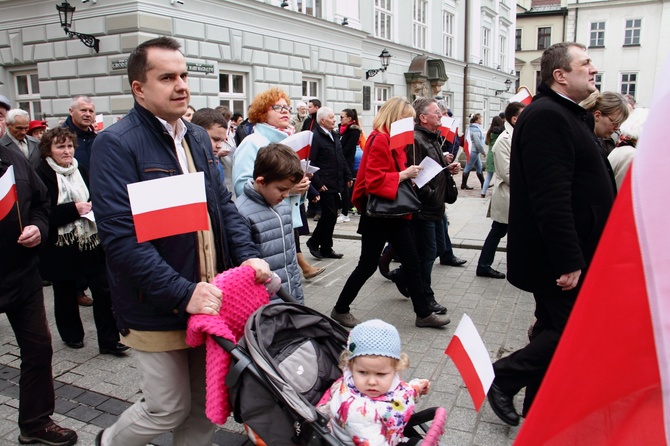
{"x":377,"y":173}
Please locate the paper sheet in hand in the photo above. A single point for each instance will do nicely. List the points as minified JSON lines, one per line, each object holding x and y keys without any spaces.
{"x":307,"y":167}
{"x":430,"y":169}
{"x":89,"y":216}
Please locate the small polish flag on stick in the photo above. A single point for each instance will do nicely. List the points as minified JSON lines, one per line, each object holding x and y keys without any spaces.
{"x":99,"y":125}
{"x":300,"y":142}
{"x":445,"y":128}
{"x":402,"y":133}
{"x":169,"y":206}
{"x":472,"y":360}
{"x":522,"y":96}
{"x":8,"y":194}
{"x":467,"y":144}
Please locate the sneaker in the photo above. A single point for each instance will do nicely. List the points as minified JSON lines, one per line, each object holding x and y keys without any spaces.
{"x":345,"y":319}
{"x":343,"y":219}
{"x":53,"y":435}
{"x":433,"y":321}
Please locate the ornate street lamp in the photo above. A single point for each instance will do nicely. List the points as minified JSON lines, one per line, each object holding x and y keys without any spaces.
{"x":385,"y":58}
{"x":65,"y":13}
{"x":508,"y":85}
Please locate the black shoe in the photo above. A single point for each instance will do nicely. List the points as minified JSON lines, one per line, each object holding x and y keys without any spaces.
{"x":98,"y":438}
{"x":437,"y":308}
{"x":453,"y":261}
{"x":313,"y":249}
{"x":487,"y":271}
{"x":75,"y":344}
{"x":117,"y":350}
{"x":331,"y":255}
{"x":398,"y":278}
{"x":53,"y":435}
{"x":503,"y":406}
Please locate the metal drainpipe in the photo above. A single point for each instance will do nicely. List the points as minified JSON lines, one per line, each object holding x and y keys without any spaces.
{"x":467,"y":63}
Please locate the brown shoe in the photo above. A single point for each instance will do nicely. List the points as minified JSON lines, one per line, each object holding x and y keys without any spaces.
{"x":314,"y":273}
{"x":53,"y":435}
{"x":432,"y":321}
{"x":345,"y":319}
{"x":84,"y":300}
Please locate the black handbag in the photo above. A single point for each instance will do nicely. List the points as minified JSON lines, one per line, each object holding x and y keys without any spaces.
{"x":406,"y":201}
{"x":451,"y":192}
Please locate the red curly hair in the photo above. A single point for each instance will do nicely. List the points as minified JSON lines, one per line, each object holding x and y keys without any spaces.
{"x":258,"y":112}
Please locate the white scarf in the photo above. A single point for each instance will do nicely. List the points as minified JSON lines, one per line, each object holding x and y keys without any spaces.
{"x":71,"y":188}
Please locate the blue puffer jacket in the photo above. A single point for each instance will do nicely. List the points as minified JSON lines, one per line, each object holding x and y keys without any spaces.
{"x":151,"y":282}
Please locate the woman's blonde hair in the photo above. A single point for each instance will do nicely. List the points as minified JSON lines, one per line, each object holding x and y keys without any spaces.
{"x":608,"y":103}
{"x":398,"y":364}
{"x":394,"y":109}
{"x":258,"y":111}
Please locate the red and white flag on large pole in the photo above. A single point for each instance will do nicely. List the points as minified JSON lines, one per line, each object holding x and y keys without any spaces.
{"x":8,"y":195}
{"x":522,"y":96}
{"x":402,"y":133}
{"x":467,"y":144}
{"x":169,"y":206}
{"x":300,"y":142}
{"x":472,"y":360}
{"x":609,"y":380}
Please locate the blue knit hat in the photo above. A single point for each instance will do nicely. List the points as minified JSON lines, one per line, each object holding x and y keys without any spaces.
{"x":374,"y":337}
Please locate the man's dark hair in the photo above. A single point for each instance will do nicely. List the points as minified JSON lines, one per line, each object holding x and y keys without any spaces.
{"x":208,"y":118}
{"x":555,"y":57}
{"x":316,"y":103}
{"x":513,"y":109}
{"x":138,"y":65}
{"x":278,"y":162}
{"x":236,"y":116}
{"x":420,"y":105}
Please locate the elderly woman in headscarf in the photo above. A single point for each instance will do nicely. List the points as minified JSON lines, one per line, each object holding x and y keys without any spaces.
{"x":73,"y":247}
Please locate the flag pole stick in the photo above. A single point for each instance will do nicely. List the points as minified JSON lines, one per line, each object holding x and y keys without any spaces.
{"x":18,"y":211}
{"x":437,"y":367}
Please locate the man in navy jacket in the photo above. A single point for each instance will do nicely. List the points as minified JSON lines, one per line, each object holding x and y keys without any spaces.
{"x":156,"y":285}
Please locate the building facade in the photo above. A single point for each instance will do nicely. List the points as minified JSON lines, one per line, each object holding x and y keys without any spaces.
{"x":329,"y":49}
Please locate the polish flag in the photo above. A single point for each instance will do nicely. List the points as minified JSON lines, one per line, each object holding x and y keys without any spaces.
{"x":402,"y":133}
{"x":8,"y":194}
{"x":466,"y":145}
{"x":300,"y":142}
{"x":609,"y":380}
{"x":522,"y":96}
{"x":99,"y":125}
{"x":447,"y":128}
{"x":168,"y":206}
{"x":472,"y":360}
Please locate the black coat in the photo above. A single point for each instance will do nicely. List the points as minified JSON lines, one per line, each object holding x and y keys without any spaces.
{"x":17,"y":262}
{"x":431,"y":195}
{"x":561,"y":192}
{"x":326,"y":154}
{"x":349,"y":140}
{"x":85,"y":140}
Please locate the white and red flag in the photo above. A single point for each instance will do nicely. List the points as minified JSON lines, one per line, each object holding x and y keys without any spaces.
{"x":99,"y":124}
{"x":169,"y":206}
{"x":300,"y":142}
{"x":609,"y":380}
{"x":467,"y":144}
{"x":402,"y":133}
{"x":522,"y":96}
{"x":472,"y":360}
{"x":8,"y":195}
{"x":447,"y":128}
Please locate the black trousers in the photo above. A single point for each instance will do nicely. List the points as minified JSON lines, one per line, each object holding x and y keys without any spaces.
{"x":375,"y":232}
{"x":322,"y":235}
{"x":527,"y":367}
{"x":66,"y":310}
{"x":23,"y":304}
{"x":497,"y":232}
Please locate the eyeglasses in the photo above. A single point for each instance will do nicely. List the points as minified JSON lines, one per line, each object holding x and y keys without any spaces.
{"x":615,"y":122}
{"x":281,"y":108}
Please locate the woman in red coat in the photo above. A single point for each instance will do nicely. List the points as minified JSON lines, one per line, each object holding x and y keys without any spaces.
{"x":379,"y":176}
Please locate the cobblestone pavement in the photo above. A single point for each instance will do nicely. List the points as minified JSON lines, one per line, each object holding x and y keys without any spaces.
{"x":92,"y":389}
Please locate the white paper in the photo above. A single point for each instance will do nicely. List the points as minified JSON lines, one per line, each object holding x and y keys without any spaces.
{"x":89,"y":216}
{"x":430,"y":169}
{"x":307,"y":167}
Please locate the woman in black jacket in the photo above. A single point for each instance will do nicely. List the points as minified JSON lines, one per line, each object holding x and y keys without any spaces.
{"x":73,"y":247}
{"x":350,"y":133}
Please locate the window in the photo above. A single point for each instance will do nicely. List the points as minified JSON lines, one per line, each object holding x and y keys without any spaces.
{"x":628,"y":83}
{"x":543,"y":38}
{"x":486,"y":46}
{"x":517,"y":46}
{"x":538,"y":79}
{"x":310,"y":89}
{"x":448,"y":33}
{"x":419,"y":23}
{"x":632,"y":33}
{"x":27,"y":93}
{"x":308,"y":7}
{"x":382,"y":94}
{"x":502,"y":62}
{"x":597,"y":34}
{"x":598,"y":78}
{"x":232,"y":92}
{"x":383,"y":18}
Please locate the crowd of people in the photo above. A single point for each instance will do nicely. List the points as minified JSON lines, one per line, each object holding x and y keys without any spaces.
{"x":75,"y":228}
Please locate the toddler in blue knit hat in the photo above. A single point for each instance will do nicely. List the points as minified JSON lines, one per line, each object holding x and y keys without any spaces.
{"x":370,"y":404}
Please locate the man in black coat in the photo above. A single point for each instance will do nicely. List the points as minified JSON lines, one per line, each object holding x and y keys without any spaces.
{"x":562,"y":195}
{"x":332,"y":179}
{"x":21,"y":299}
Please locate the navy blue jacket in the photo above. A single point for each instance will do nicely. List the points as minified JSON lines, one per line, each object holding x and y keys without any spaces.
{"x":84,"y":143}
{"x":152,"y":282}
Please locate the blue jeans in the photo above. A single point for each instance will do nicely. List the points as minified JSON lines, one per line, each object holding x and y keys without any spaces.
{"x":487,"y":181}
{"x":475,"y":162}
{"x":445,"y":250}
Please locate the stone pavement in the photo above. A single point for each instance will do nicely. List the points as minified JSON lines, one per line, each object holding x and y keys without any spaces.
{"x":93,"y":389}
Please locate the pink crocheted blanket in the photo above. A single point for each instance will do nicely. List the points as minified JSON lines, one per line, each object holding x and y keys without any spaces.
{"x":241,"y":297}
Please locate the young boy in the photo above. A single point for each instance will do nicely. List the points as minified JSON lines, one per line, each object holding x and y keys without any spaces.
{"x":276,"y":171}
{"x":216,"y":126}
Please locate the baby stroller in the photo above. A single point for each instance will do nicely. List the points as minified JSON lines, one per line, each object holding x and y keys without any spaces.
{"x":286,"y":361}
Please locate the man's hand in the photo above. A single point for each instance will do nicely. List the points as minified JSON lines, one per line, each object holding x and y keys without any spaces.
{"x":449,"y":157}
{"x":301,"y":187}
{"x":206,"y":299}
{"x":30,"y":237}
{"x":263,"y":272}
{"x":454,"y":168}
{"x":569,"y":281}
